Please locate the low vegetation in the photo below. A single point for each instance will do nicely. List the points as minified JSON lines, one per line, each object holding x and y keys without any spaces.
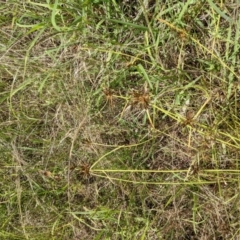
{"x":119,"y":119}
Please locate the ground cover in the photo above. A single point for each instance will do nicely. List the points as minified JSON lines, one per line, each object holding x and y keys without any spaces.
{"x":119,"y":119}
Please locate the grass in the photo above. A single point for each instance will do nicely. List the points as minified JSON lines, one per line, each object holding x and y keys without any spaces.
{"x":119,"y":120}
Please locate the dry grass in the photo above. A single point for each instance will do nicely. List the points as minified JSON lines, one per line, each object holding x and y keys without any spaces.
{"x":119,"y":120}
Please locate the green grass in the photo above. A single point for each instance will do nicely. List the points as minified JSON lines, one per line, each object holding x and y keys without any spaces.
{"x":119,"y":120}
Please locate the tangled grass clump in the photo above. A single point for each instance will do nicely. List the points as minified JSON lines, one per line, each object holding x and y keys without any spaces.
{"x":119,"y":120}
